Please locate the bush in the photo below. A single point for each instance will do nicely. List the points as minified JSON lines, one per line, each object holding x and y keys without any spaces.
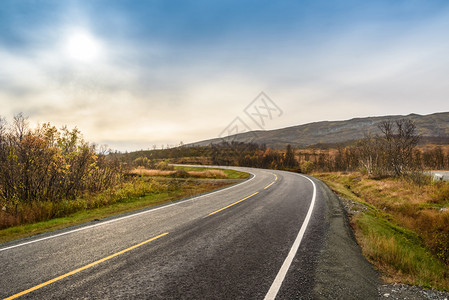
{"x":180,"y":174}
{"x":441,"y":194}
{"x":419,"y":178}
{"x":307,"y":167}
{"x":442,"y":246}
{"x":47,"y":164}
{"x":164,"y":166}
{"x":144,"y":162}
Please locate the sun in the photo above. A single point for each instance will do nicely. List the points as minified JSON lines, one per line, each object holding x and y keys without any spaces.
{"x":82,"y":46}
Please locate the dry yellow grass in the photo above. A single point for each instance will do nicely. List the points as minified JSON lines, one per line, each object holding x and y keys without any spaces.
{"x":208,"y":174}
{"x":406,"y":231}
{"x":141,"y":171}
{"x":196,"y":174}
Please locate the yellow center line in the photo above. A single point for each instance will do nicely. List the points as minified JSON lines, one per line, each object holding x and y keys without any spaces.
{"x":275,"y":179}
{"x":233,"y":204}
{"x":83,"y":268}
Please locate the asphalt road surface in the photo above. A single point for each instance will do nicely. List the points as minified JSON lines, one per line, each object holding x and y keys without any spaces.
{"x":440,"y":175}
{"x":277,"y":235}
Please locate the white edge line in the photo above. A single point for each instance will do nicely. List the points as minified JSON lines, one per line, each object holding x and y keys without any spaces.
{"x":126,"y":217}
{"x":276,"y":285}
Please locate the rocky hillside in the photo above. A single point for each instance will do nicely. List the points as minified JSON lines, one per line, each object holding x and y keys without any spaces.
{"x":432,"y":128}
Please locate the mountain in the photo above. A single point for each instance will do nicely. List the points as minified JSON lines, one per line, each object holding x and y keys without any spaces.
{"x":431,"y":128}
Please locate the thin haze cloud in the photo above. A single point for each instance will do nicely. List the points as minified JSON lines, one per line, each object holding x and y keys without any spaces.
{"x":143,"y":73}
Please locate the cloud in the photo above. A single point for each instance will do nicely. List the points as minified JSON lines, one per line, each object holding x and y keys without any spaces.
{"x":167,"y":73}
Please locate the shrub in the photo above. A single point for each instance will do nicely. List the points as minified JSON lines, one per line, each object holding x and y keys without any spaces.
{"x":419,"y":178}
{"x":180,"y":174}
{"x":164,"y":166}
{"x":441,"y":194}
{"x":50,"y":164}
{"x":442,"y":245}
{"x":307,"y":167}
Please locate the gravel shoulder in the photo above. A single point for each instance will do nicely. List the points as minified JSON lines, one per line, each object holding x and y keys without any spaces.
{"x":342,"y":271}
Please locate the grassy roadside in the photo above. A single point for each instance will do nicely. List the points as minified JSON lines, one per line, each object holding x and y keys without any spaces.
{"x":403,"y":229}
{"x":148,"y":191}
{"x":229,"y":174}
{"x":192,"y":172}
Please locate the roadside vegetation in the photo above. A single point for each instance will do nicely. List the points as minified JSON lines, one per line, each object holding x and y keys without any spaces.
{"x":51,"y":178}
{"x":404,"y":230}
{"x":404,"y":226}
{"x":167,"y":170}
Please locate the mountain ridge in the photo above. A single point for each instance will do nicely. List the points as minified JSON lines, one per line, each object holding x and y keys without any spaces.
{"x":431,"y":126}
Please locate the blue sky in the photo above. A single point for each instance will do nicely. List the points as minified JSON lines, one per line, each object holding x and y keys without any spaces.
{"x":133,"y":74}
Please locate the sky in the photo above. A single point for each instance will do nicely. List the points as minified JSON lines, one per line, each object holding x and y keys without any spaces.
{"x":142,"y":74}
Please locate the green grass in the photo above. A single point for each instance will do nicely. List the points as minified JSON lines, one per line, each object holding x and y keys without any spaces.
{"x":400,"y":253}
{"x":230,"y":174}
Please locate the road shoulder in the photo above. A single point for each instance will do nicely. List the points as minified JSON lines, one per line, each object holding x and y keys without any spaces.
{"x":342,"y":271}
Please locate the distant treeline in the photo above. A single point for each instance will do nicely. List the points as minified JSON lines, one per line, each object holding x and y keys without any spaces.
{"x":394,"y":152}
{"x":223,"y":154}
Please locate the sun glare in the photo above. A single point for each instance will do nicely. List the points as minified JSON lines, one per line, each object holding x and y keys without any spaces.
{"x":82,"y":46}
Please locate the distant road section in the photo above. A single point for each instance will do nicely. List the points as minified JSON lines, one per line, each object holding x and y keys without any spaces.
{"x":440,"y":175}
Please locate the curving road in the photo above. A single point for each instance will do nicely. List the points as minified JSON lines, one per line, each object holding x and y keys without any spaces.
{"x":277,"y":235}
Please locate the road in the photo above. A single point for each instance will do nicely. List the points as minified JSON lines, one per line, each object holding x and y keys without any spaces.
{"x":277,"y":235}
{"x":440,"y":175}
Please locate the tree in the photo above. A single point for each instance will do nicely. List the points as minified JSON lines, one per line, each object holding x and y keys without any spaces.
{"x":370,"y":153}
{"x":398,"y":145}
{"x":289,"y":160}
